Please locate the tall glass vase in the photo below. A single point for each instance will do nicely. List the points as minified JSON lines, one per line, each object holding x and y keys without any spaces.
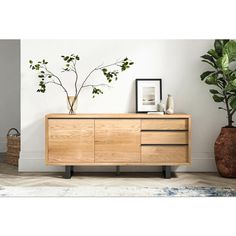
{"x":72,"y":104}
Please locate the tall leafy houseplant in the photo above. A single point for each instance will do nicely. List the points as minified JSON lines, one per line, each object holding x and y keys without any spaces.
{"x":46,"y":76}
{"x":222,"y":75}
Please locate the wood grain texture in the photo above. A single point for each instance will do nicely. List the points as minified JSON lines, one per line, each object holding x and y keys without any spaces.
{"x":117,"y":116}
{"x":117,"y":141}
{"x":190,"y":140}
{"x":165,"y":137}
{"x":70,"y":141}
{"x":164,"y":154}
{"x":164,"y":124}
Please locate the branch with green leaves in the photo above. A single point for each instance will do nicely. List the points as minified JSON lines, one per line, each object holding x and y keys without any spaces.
{"x":48,"y":77}
{"x":222,"y":75}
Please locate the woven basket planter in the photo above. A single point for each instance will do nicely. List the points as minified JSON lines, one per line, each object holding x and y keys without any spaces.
{"x":13,"y":147}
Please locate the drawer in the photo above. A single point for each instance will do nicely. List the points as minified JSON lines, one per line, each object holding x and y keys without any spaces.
{"x":164,"y":137}
{"x":164,"y":154}
{"x":164,"y":124}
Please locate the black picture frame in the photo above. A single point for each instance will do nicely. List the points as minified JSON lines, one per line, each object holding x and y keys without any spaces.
{"x":137,"y":93}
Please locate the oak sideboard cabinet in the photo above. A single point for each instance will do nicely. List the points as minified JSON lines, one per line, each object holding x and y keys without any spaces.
{"x":118,"y":140}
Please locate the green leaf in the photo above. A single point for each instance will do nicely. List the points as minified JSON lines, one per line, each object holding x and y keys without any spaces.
{"x":233,"y":102}
{"x":223,"y":62}
{"x":205,"y":74}
{"x":213,"y":53}
{"x":218,"y":47}
{"x":77,"y":58}
{"x":233,"y":83}
{"x":209,"y":58}
{"x":213,"y":91}
{"x":211,"y":79}
{"x":230,"y":50}
{"x":217,"y":98}
{"x":225,"y":41}
{"x":30,"y":61}
{"x":209,"y":63}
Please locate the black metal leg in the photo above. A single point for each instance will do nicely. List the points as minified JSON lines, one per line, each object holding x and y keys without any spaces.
{"x":117,"y":170}
{"x":68,"y":172}
{"x":166,"y":171}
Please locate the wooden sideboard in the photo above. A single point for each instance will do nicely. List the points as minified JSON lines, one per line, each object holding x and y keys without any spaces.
{"x":118,"y":140}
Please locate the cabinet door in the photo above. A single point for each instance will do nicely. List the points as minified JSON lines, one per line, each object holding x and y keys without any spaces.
{"x":70,"y":141}
{"x":117,"y":141}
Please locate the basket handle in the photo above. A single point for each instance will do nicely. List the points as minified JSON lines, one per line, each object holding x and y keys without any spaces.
{"x":17,"y":132}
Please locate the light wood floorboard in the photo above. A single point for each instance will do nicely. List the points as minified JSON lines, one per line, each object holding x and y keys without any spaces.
{"x":9,"y":176}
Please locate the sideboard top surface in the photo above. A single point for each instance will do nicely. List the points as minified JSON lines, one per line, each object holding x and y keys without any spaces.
{"x":117,"y":116}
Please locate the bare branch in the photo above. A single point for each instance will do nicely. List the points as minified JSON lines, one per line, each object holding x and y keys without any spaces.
{"x":96,"y":85}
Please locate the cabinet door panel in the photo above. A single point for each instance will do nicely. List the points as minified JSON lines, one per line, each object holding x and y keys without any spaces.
{"x":117,"y":141}
{"x":70,"y":141}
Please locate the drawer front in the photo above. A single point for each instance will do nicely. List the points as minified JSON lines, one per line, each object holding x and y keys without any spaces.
{"x":164,"y":124}
{"x":164,"y":154}
{"x":156,"y":137}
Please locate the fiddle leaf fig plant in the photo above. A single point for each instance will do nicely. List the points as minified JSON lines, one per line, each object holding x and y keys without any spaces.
{"x":222,"y":75}
{"x":46,"y":76}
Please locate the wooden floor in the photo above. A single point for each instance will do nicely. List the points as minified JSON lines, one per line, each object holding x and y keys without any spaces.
{"x":9,"y":176}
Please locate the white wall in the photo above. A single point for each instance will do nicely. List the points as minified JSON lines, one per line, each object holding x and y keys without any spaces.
{"x":177,"y":62}
{"x":9,"y":88}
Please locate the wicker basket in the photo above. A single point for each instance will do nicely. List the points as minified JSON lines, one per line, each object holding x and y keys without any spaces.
{"x":13,"y":147}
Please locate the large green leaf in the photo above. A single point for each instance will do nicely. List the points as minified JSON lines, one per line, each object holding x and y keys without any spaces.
{"x":230,"y":50}
{"x":211,"y":79}
{"x":213,"y":53}
{"x":209,"y":58}
{"x":231,"y":86}
{"x":231,"y":76}
{"x":218,"y":47}
{"x":225,"y":41}
{"x":218,"y":98}
{"x":233,"y":102}
{"x":234,"y":83}
{"x":205,"y":74}
{"x":223,"y":62}
{"x":213,"y":91}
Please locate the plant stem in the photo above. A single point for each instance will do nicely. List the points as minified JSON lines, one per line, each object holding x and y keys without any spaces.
{"x":60,"y":84}
{"x":229,"y":115}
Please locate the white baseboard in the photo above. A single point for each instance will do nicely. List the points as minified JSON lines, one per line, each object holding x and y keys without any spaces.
{"x":34,"y":162}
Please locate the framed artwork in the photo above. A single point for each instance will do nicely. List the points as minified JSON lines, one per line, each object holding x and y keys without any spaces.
{"x":148,"y":94}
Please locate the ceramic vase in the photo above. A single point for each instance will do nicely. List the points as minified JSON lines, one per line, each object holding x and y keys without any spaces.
{"x":170,"y":105}
{"x":161,"y":107}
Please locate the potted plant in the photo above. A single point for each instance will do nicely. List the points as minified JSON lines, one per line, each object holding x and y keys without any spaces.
{"x":46,"y":77}
{"x":222,"y":76}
